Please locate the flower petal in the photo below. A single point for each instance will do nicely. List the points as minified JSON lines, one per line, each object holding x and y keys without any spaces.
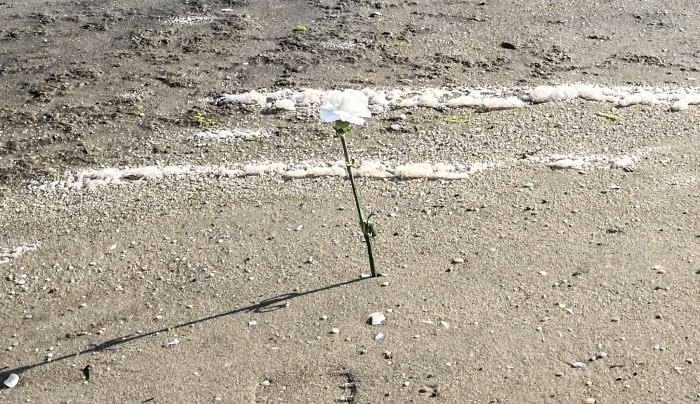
{"x":349,"y":106}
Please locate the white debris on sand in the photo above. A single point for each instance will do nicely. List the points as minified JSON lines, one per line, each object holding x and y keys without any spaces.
{"x":188,"y":20}
{"x":376,"y":318}
{"x":567,"y":164}
{"x":285,"y":105}
{"x":622,"y":162}
{"x":544,"y":94}
{"x":6,"y":254}
{"x":97,"y":178}
{"x":11,"y":381}
{"x":230,"y":134}
{"x":92,"y":179}
{"x":643,"y":98}
{"x":488,"y":99}
{"x":498,"y":104}
{"x":683,"y":103}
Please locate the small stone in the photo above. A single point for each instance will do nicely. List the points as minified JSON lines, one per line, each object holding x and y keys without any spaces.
{"x":601,"y":355}
{"x":266,"y":383}
{"x":173,"y":342}
{"x":375,"y":14}
{"x":615,"y":320}
{"x":424,"y":389}
{"x":395,"y":127}
{"x":385,"y":284}
{"x":543,"y":273}
{"x":379,"y":336}
{"x":406,"y":384}
{"x":299,"y":228}
{"x":558,"y":374}
{"x":252,"y":323}
{"x":324,"y":317}
{"x":589,"y":400}
{"x":457,"y":260}
{"x":689,"y":361}
{"x":388,"y":355}
{"x":11,"y":381}
{"x":578,"y":365}
{"x":335,"y":331}
{"x":376,"y":318}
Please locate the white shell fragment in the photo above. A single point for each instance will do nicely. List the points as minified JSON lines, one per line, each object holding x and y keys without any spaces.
{"x":11,"y":381}
{"x":379,"y":336}
{"x":578,"y":365}
{"x":173,"y":343}
{"x":567,"y":164}
{"x":376,"y":318}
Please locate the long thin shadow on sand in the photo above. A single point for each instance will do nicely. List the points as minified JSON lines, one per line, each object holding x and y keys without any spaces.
{"x":271,"y":304}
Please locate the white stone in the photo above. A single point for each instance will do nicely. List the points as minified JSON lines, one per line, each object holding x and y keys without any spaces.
{"x":11,"y":381}
{"x":376,"y":318}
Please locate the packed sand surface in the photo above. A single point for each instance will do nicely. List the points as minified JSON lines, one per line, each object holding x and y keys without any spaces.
{"x":176,"y":224}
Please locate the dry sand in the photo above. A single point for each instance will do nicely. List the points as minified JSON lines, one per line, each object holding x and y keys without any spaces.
{"x":183,"y":274}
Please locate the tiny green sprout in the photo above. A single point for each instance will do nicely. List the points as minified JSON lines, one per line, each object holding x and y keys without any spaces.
{"x":299,"y":28}
{"x":609,"y":115}
{"x":458,"y":119}
{"x":202,"y":121}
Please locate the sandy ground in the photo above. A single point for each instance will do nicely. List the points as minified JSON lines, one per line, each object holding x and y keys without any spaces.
{"x":202,"y":287}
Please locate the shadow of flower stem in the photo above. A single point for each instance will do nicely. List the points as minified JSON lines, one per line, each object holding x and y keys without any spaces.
{"x":367,"y":227}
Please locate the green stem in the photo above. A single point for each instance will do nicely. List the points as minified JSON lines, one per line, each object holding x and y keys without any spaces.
{"x":364,"y":224}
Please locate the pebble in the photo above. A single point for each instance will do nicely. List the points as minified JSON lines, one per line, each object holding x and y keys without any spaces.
{"x":689,"y":361}
{"x":324,"y":317}
{"x":376,"y":318}
{"x":388,"y":355}
{"x":558,"y":374}
{"x":406,"y":384}
{"x":424,"y":389}
{"x":457,"y":260}
{"x":578,"y":365}
{"x":589,"y":400}
{"x":265,"y":383}
{"x":173,"y":342}
{"x":601,"y":355}
{"x":335,"y":331}
{"x":379,"y":336}
{"x":385,"y":284}
{"x":395,"y":127}
{"x":252,"y":323}
{"x":11,"y":381}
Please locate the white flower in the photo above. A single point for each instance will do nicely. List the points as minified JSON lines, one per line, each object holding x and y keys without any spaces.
{"x":347,"y":106}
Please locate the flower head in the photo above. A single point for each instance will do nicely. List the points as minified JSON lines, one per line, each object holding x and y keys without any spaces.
{"x":348,"y":106}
